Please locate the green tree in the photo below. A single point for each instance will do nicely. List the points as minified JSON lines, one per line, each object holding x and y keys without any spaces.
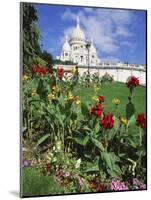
{"x":30,"y":34}
{"x":48,"y":58}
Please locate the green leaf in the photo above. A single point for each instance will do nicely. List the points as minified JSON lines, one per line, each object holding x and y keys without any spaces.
{"x":111,"y":135}
{"x":93,"y":166}
{"x":116,"y":124}
{"x":110,"y":160}
{"x":112,"y":173}
{"x":97,"y":144}
{"x":132,"y":121}
{"x":130,"y":110}
{"x":42,"y":139}
{"x":84,"y":109}
{"x":107,"y":159}
{"x":24,"y":129}
{"x":96,"y":128}
{"x":81,"y":139}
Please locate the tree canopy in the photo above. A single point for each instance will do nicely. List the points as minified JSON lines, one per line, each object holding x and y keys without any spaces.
{"x":32,"y":53}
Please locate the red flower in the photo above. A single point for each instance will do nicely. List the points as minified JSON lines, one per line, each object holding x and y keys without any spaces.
{"x":101,"y":188}
{"x":39,"y":70}
{"x":141,"y":120}
{"x":42,"y":70}
{"x":97,"y":110}
{"x":101,"y":99}
{"x":94,"y":185}
{"x":48,"y":167}
{"x":133,"y":82}
{"x":60,"y":73}
{"x":97,"y":186}
{"x":34,"y":68}
{"x":107,"y":122}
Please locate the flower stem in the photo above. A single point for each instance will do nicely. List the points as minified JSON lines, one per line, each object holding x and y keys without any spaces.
{"x":140,"y":136}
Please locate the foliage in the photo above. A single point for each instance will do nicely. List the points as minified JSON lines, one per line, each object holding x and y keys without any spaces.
{"x":58,"y":61}
{"x":48,"y":58}
{"x":107,"y":78}
{"x":77,"y":141}
{"x":31,"y":34}
{"x":32,"y":53}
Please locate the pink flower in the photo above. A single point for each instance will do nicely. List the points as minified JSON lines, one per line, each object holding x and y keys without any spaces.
{"x":117,"y":185}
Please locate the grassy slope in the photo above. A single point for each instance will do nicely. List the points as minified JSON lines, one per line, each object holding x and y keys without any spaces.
{"x":116,"y":90}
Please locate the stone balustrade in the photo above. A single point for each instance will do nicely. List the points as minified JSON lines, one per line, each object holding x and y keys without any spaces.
{"x":119,"y":73}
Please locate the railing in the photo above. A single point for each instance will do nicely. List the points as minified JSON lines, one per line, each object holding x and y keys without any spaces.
{"x":120,"y":73}
{"x":114,"y":67}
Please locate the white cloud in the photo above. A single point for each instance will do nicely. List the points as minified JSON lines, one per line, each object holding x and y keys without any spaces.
{"x":121,"y":17}
{"x":67,"y":32}
{"x":110,"y":59}
{"x":103,"y":25}
{"x":89,"y":10}
{"x":69,"y":15}
{"x":123,"y":31}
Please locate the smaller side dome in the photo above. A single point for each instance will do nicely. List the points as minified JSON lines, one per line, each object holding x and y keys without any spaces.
{"x":66,"y":46}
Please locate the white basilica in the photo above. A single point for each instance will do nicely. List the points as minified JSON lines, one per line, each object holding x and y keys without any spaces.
{"x":78,"y":50}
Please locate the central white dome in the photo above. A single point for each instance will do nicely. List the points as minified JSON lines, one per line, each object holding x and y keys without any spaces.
{"x":78,"y":34}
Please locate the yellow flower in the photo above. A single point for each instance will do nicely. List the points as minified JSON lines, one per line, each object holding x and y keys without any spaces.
{"x":55,"y":89}
{"x":34,"y":93}
{"x":116,"y":101}
{"x":51,"y":96}
{"x":25,"y":77}
{"x":78,"y":102}
{"x":71,"y":96}
{"x":123,"y":121}
{"x":73,"y":70}
{"x":94,"y":98}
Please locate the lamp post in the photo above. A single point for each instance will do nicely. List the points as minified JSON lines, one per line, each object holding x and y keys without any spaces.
{"x":88,"y":48}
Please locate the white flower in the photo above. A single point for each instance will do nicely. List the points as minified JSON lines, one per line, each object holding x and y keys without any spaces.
{"x":58,"y":145}
{"x":54,"y":159}
{"x":67,"y":174}
{"x":78,"y":163}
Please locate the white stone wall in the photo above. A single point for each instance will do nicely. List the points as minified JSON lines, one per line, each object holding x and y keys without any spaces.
{"x":120,"y":74}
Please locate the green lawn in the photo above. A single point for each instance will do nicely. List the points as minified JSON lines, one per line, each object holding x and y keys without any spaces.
{"x":35,"y":184}
{"x":116,"y":90}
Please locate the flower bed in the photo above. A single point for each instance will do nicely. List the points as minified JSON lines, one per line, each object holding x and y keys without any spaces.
{"x":84,"y":147}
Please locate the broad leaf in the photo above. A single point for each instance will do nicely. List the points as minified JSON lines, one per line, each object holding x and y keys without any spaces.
{"x":130,"y":110}
{"x":93,"y":166}
{"x":80,"y":138}
{"x":132,"y":121}
{"x":97,"y":144}
{"x":42,"y":139}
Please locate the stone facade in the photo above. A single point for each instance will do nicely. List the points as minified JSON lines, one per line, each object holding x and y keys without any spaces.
{"x":77,"y":50}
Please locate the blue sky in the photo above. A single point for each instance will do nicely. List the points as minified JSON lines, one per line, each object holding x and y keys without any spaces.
{"x":118,"y":35}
